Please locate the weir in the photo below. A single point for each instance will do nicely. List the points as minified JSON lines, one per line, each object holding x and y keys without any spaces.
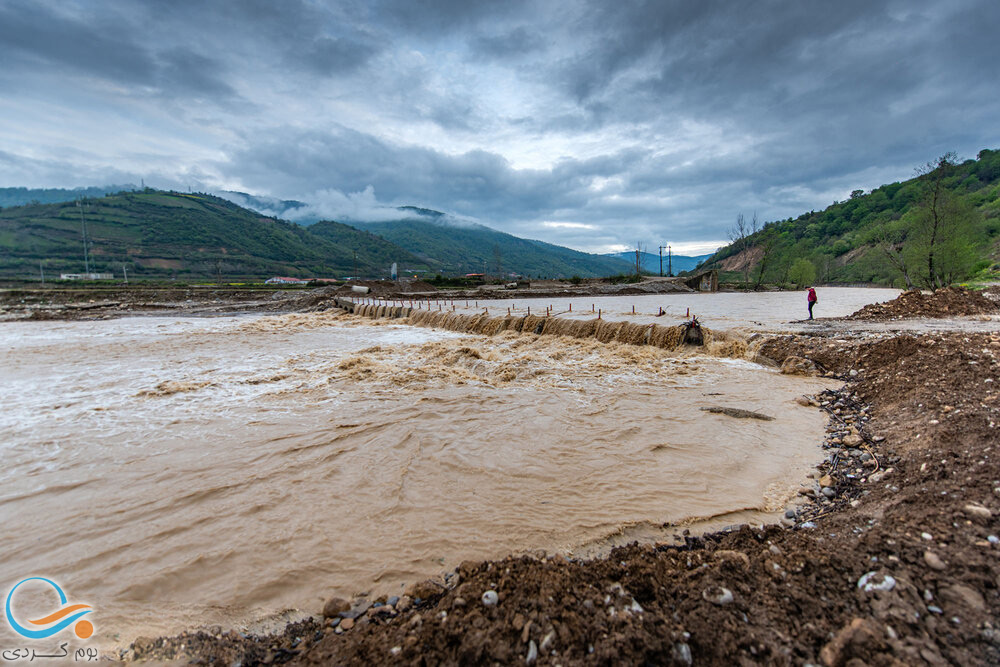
{"x":666,"y":337}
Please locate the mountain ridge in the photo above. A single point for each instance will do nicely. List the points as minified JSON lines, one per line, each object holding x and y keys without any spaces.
{"x":157,"y":234}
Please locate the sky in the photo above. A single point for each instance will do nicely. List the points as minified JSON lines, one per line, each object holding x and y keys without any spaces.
{"x":593,"y":125}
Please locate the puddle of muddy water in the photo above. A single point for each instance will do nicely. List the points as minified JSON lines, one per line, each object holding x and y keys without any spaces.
{"x":175,"y":473}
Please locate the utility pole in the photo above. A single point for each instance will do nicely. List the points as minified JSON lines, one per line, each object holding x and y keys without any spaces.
{"x":670,"y":263}
{"x":83,"y":226}
{"x":41,"y":270}
{"x":355,"y":276}
{"x":661,"y":259}
{"x":125,"y":271}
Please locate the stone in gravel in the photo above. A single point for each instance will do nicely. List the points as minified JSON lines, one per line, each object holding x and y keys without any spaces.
{"x":467,"y":568}
{"x":852,"y":440}
{"x":490,"y":598}
{"x":798,"y":366}
{"x":334,"y":606}
{"x":934,"y":561}
{"x":978,"y":511}
{"x":825,"y":481}
{"x":718,"y":595}
{"x":861,"y":637}
{"x":357,"y":610}
{"x":682,"y":654}
{"x":532,"y":653}
{"x":392,"y":600}
{"x":829,"y":493}
{"x":876,"y":581}
{"x":458,"y":602}
{"x":425,"y":589}
{"x":346,"y":624}
{"x":733,"y":557}
{"x":962,"y":594}
{"x":404,"y":603}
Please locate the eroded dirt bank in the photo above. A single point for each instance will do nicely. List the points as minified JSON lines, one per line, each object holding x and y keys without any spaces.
{"x":911,"y":494}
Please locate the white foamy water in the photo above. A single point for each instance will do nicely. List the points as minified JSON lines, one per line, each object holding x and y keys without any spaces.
{"x":180,"y":472}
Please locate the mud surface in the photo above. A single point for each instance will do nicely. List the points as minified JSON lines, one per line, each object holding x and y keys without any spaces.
{"x":895,"y":561}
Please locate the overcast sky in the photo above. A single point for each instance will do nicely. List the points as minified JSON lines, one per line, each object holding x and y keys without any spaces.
{"x":587,"y":124}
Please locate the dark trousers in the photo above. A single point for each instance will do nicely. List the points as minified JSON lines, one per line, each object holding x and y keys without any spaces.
{"x":811,"y":304}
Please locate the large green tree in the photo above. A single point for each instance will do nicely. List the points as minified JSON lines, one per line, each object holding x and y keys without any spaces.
{"x":942,"y":230}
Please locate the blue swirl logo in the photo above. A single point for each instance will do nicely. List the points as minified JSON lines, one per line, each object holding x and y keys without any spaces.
{"x":59,"y":620}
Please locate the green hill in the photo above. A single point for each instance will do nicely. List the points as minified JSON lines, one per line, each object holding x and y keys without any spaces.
{"x":472,"y":248}
{"x":940,"y":227}
{"x":156,"y":234}
{"x":170,"y":234}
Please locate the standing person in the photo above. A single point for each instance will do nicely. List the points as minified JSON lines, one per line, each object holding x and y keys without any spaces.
{"x":812,"y":300}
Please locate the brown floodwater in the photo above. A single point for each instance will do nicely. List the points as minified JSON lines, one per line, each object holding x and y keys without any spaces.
{"x":184,"y":472}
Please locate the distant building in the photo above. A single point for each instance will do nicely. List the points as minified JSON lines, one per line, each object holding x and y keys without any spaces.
{"x":280,"y":280}
{"x":86,"y":276}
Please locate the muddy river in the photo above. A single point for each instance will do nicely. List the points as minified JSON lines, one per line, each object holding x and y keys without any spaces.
{"x":183,"y":472}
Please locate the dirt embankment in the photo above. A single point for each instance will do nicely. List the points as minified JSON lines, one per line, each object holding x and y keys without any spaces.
{"x":945,"y":302}
{"x":895,"y":562}
{"x":110,"y":302}
{"x":59,"y":303}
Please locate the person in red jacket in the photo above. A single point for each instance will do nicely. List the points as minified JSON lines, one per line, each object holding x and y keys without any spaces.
{"x":812,"y":300}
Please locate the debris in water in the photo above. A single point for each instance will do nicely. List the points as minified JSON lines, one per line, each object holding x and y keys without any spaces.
{"x":738,"y":413}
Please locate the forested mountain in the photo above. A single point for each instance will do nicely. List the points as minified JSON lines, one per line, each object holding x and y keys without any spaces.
{"x":941,"y":226}
{"x":156,"y":234}
{"x":472,"y":248}
{"x":170,"y":234}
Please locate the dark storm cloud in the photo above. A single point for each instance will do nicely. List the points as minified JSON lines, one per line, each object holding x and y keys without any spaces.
{"x":436,"y":18}
{"x":108,"y":47}
{"x":34,"y":34}
{"x":336,"y":55}
{"x":518,"y":42}
{"x":561,"y":120}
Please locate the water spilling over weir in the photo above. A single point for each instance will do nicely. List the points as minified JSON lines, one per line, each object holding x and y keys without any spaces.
{"x":180,"y":472}
{"x":666,"y":337}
